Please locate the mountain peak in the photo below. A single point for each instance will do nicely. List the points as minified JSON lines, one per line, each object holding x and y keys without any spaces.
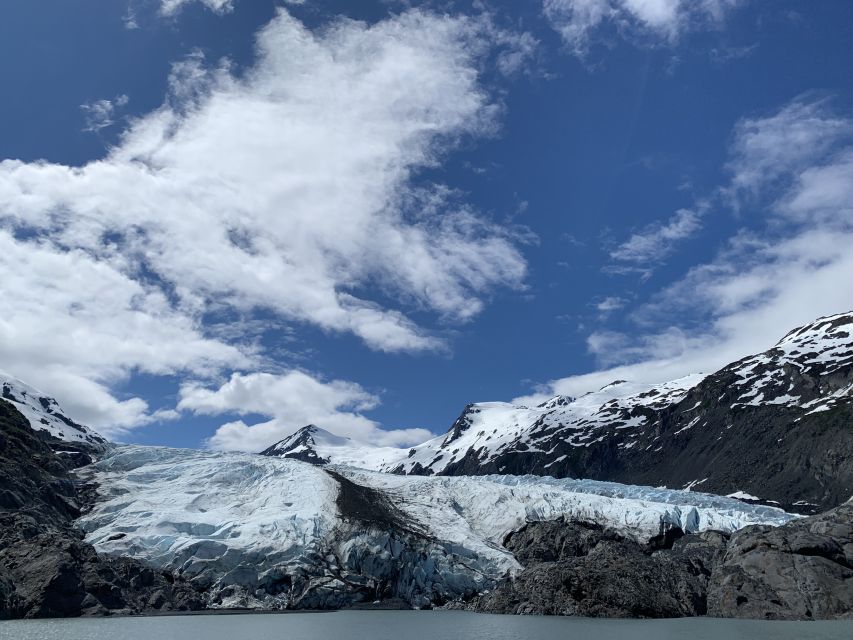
{"x":45,"y":414}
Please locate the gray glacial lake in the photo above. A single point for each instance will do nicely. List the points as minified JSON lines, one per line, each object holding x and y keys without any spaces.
{"x":413,"y":625}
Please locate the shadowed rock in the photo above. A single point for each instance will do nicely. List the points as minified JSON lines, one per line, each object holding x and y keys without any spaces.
{"x":46,"y":569}
{"x":801,"y":570}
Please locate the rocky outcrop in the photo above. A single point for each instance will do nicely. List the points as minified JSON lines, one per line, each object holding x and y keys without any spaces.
{"x":582,"y":569}
{"x":46,"y":569}
{"x":802,"y":570}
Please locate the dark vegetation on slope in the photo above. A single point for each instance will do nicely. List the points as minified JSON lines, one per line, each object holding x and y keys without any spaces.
{"x":46,"y":569}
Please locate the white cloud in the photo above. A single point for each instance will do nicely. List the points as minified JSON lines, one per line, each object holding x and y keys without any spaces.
{"x":770,"y":148}
{"x":171,"y":7}
{"x":291,"y":188}
{"x":657,"y":241}
{"x":608,"y":305}
{"x":101,"y":113}
{"x":658,"y":21}
{"x":763,"y":282}
{"x":72,"y":325}
{"x":293,"y":400}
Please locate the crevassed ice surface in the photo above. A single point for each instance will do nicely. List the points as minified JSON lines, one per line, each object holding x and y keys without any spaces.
{"x":483,"y":509}
{"x":174,"y":505}
{"x":241,"y":519}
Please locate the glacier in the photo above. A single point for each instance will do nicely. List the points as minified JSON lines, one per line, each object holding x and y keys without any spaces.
{"x":256,"y":531}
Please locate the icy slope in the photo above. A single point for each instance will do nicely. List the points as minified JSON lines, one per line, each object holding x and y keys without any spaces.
{"x":318,"y":446}
{"x":258,"y":530}
{"x":45,"y":414}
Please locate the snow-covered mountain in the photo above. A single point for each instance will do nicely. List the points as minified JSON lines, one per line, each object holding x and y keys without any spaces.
{"x":265,"y":531}
{"x":494,"y":429}
{"x":45,"y":414}
{"x":318,"y":446}
{"x":774,"y":426}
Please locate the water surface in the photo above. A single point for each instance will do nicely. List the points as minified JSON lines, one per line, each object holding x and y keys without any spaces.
{"x":413,"y":625}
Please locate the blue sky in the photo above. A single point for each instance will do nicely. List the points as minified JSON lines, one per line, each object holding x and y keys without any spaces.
{"x":220,"y":221}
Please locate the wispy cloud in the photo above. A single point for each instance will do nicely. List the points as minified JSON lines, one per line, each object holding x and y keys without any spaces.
{"x":101,"y":113}
{"x":772,"y":148}
{"x":767,"y":278}
{"x":610,"y":304}
{"x":171,"y":7}
{"x":580,"y":22}
{"x":657,"y":241}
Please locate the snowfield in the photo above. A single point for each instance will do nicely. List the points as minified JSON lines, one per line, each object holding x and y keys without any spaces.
{"x":249,"y":527}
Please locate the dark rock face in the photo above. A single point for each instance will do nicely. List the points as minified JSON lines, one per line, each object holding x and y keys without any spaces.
{"x":46,"y":570}
{"x":583,"y":569}
{"x":802,"y":570}
{"x":799,"y":571}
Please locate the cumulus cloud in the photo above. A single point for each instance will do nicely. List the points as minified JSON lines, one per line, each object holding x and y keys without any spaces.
{"x":73,"y":324}
{"x":292,"y":188}
{"x":292,"y":400}
{"x":763,"y":282}
{"x":580,"y":22}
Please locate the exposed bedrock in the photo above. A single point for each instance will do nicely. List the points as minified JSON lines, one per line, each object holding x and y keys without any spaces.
{"x":577,"y":568}
{"x":46,"y":569}
{"x":801,"y":570}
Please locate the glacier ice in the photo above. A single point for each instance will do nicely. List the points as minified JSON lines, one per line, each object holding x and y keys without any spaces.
{"x":261,"y":531}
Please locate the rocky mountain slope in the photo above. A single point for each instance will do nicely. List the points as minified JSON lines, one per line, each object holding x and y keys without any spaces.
{"x":774,"y":427}
{"x":46,"y":568}
{"x":91,"y":528}
{"x":173,"y":529}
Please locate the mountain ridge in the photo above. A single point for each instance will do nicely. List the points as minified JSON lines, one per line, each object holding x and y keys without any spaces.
{"x":773,"y":427}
